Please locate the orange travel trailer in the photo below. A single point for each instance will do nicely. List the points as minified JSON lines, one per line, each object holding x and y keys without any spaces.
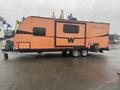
{"x":39,"y":34}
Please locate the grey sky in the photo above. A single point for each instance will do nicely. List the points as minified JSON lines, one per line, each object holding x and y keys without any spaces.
{"x":90,"y":10}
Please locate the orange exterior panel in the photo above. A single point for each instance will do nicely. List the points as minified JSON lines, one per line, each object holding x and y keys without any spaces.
{"x":36,"y":41}
{"x":89,"y":32}
{"x":97,"y":33}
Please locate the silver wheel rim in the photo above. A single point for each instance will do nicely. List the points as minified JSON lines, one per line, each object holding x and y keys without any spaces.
{"x":84,"y":52}
{"x":75,"y":53}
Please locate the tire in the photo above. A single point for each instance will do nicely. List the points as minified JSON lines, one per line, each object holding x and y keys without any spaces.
{"x":39,"y":53}
{"x":64,"y":53}
{"x":75,"y":53}
{"x":84,"y":52}
{"x":5,"y":56}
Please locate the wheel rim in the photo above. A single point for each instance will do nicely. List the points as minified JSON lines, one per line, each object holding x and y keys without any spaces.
{"x":84,"y":52}
{"x":75,"y":53}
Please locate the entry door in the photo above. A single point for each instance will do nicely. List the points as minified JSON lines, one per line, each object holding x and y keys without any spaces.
{"x":70,"y":34}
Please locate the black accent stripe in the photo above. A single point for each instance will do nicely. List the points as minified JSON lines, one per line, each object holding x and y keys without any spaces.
{"x":23,"y":32}
{"x":60,"y":48}
{"x":83,"y":37}
{"x":99,"y":36}
{"x":104,"y":35}
{"x":68,"y":37}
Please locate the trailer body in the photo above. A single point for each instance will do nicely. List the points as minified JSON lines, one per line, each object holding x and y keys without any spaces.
{"x":38,"y":34}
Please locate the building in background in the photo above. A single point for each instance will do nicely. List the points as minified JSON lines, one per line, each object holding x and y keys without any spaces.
{"x":5,"y":31}
{"x":1,"y":27}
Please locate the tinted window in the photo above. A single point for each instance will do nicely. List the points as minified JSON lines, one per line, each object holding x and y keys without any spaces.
{"x":71,"y":28}
{"x":38,"y":31}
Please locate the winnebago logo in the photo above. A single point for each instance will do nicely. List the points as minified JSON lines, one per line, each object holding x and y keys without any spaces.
{"x":71,"y":40}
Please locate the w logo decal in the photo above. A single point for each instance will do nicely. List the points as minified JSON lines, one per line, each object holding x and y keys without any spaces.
{"x":71,"y":40}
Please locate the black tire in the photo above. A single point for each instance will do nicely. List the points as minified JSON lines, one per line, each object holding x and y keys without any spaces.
{"x":64,"y":53}
{"x":75,"y":53}
{"x":84,"y":52}
{"x":5,"y":56}
{"x":40,"y":53}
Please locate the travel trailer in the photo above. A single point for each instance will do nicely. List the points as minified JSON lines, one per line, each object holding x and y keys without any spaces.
{"x":73,"y":37}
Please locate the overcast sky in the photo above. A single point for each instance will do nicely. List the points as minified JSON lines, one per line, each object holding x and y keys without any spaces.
{"x":90,"y":10}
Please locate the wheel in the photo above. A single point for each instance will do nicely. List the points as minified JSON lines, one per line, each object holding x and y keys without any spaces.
{"x":40,"y":53}
{"x":5,"y":56}
{"x":75,"y":53}
{"x":84,"y":52}
{"x":101,"y":51}
{"x":64,"y":53}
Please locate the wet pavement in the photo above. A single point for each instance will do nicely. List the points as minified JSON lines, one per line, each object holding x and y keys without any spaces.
{"x":51,"y":71}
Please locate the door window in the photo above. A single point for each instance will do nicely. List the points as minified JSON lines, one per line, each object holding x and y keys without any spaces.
{"x":71,"y":29}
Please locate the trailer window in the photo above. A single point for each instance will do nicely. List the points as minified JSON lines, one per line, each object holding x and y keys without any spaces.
{"x":38,"y":31}
{"x":71,"y":28}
